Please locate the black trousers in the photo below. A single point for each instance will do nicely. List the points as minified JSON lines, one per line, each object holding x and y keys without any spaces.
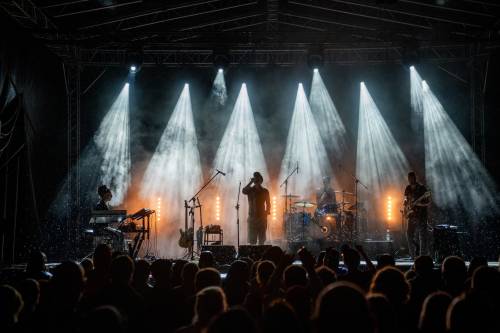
{"x":417,"y":234}
{"x":257,"y":230}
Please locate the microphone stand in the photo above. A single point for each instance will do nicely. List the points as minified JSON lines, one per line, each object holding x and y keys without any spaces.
{"x":356,"y":182}
{"x":285,"y":182}
{"x":238,"y":218}
{"x":193,"y":200}
{"x":199,"y":233}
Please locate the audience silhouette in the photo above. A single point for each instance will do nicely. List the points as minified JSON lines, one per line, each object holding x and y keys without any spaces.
{"x":278,"y":292}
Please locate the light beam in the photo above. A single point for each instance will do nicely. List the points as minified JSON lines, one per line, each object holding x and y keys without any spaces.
{"x":456,"y":176}
{"x":219,"y":91}
{"x":112,"y":141}
{"x":105,"y":160}
{"x":239,"y":155}
{"x":380,"y":163}
{"x":305,"y":147}
{"x":327,"y":118}
{"x":416,"y":99}
{"x":174,"y":172}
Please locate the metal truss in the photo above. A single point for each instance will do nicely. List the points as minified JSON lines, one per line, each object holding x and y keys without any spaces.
{"x":176,"y":13}
{"x":71,"y":71}
{"x":478,"y":69}
{"x":283,"y":54}
{"x":27,"y":14}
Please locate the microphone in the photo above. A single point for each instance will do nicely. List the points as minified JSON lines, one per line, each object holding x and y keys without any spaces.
{"x":223,"y":173}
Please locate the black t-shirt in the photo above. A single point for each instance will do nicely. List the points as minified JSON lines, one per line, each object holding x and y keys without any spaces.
{"x":258,"y":201}
{"x":101,"y":205}
{"x":414,"y":192}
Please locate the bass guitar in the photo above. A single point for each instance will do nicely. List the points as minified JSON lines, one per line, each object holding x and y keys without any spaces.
{"x":409,"y":207}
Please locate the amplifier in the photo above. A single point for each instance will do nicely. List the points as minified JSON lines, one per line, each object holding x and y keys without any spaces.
{"x":223,"y":254}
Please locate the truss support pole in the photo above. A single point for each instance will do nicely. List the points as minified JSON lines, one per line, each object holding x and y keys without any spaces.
{"x":478,"y":75}
{"x":72,"y":71}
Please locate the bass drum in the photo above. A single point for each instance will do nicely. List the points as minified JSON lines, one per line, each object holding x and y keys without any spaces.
{"x":324,"y":227}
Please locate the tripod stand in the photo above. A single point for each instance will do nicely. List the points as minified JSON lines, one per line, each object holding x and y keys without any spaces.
{"x":189,"y":211}
{"x":356,"y":202}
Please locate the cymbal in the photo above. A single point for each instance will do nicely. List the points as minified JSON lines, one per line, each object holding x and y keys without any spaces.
{"x":304,"y":204}
{"x":290,"y":196}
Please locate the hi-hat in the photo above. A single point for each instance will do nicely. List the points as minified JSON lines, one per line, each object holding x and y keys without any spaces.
{"x":304,"y":204}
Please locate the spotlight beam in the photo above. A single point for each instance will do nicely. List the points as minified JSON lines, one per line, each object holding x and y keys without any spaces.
{"x":219,"y":91}
{"x":104,"y":160}
{"x":305,"y":147}
{"x":327,"y":118}
{"x":380,"y":163}
{"x":455,"y":174}
{"x":112,"y":141}
{"x":174,"y":172}
{"x":239,"y":155}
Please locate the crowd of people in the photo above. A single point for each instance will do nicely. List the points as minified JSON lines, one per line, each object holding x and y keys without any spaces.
{"x":279,"y":292}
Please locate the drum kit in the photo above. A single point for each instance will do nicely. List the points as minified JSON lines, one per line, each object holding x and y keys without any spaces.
{"x":306,"y":221}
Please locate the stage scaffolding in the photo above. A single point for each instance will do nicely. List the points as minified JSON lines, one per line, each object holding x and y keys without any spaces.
{"x":253,"y":33}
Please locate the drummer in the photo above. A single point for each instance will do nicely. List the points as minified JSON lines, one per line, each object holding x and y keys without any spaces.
{"x":325,"y":197}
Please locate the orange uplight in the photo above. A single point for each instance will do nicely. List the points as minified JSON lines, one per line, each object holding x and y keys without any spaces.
{"x":217,"y":208}
{"x":273,"y":208}
{"x":389,"y":208}
{"x":158,"y":209}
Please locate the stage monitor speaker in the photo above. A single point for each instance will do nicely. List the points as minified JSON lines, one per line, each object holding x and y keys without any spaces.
{"x":223,"y":254}
{"x":253,"y":251}
{"x":373,"y":248}
{"x":445,"y":241}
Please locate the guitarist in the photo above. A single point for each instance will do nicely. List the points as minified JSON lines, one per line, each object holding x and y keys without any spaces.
{"x":415,"y":203}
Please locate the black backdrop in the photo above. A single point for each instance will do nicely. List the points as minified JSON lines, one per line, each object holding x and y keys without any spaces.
{"x":38,"y":76}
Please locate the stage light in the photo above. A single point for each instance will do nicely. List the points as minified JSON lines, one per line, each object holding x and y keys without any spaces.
{"x":380,"y":163}
{"x":133,"y":69}
{"x":457,"y":178}
{"x":315,"y":70}
{"x":389,"y":208}
{"x":174,"y":172}
{"x":217,"y":209}
{"x":158,"y":209}
{"x":219,"y":91}
{"x":239,"y":155}
{"x":305,"y":148}
{"x":327,"y":118}
{"x":273,"y":208}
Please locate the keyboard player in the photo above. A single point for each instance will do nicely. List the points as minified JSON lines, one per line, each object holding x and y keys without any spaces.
{"x":105,"y":196}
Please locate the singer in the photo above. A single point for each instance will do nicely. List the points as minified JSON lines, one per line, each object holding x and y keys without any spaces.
{"x":259,"y":206}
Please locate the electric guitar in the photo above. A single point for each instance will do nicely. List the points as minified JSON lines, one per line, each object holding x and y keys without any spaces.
{"x":187,"y":238}
{"x":409,"y":207}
